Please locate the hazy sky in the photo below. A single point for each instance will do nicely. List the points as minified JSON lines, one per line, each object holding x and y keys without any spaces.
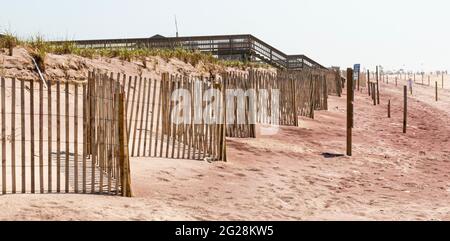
{"x":413,"y":34}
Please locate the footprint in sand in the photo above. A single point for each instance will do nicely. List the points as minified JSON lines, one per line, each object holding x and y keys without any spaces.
{"x":163,"y":179}
{"x":282,"y":175}
{"x":286,"y":199}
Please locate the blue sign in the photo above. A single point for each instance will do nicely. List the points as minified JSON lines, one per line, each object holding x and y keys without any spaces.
{"x":356,"y":74}
{"x":356,"y":68}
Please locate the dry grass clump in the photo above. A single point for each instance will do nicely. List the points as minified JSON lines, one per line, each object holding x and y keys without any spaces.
{"x":38,"y":49}
{"x":9,"y":41}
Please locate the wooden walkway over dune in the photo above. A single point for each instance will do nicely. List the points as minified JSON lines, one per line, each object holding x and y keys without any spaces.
{"x":230,"y":47}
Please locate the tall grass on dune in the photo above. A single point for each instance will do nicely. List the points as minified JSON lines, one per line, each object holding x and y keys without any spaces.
{"x":9,"y":41}
{"x":39,"y":48}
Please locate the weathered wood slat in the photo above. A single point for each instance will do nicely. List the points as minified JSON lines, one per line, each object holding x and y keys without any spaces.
{"x":93,"y":125}
{"x":3,"y":114}
{"x":13,"y":136}
{"x":152,"y":118}
{"x":75,"y":150}
{"x":58,"y":136}
{"x":131,"y":120}
{"x":147,"y":114}
{"x":67,"y":135}
{"x":41,"y":136}
{"x":136,"y":119}
{"x":22,"y":130}
{"x":32,"y":150}
{"x":141,"y":126}
{"x":85,"y":138}
{"x":158,"y":119}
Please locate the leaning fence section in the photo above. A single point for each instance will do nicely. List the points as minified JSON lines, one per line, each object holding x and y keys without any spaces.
{"x":334,"y":83}
{"x":46,"y":141}
{"x":294,"y":93}
{"x":163,"y":119}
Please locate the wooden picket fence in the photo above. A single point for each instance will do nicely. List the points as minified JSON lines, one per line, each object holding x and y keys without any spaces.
{"x":334,"y":82}
{"x":300,"y":93}
{"x":76,"y":137}
{"x":240,"y":106}
{"x":63,"y":137}
{"x":155,"y":132}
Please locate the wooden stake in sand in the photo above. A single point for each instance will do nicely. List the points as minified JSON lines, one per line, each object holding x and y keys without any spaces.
{"x":349,"y":110}
{"x":123,"y":147}
{"x":378,"y":87}
{"x":389,"y":109}
{"x":374,"y":98}
{"x":368,"y":81}
{"x":405,"y":107}
{"x":437,"y":98}
{"x":359,"y":79}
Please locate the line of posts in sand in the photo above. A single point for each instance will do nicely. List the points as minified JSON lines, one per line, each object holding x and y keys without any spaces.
{"x":374,"y":92}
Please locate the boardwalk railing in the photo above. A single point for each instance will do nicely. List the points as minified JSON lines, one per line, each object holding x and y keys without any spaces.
{"x":242,"y":47}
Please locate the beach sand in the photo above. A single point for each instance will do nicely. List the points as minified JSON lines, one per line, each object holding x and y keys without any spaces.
{"x":290,"y":176}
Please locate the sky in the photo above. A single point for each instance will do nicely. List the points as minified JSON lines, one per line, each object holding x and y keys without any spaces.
{"x":408,"y":34}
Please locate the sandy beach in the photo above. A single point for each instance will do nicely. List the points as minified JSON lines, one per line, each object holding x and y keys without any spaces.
{"x":298,"y":174}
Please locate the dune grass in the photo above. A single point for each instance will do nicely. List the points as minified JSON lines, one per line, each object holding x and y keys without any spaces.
{"x":39,"y":48}
{"x":9,"y":41}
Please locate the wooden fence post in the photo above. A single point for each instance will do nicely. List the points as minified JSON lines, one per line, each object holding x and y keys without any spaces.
{"x":374,"y":98}
{"x":359,"y":79}
{"x":389,"y":109}
{"x":123,"y":146}
{"x":411,"y":88}
{"x":349,"y":110}
{"x":405,"y":107}
{"x":368,"y":81}
{"x":378,"y":87}
{"x":437,"y":98}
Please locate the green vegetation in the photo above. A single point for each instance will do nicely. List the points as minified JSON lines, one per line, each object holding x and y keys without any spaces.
{"x":39,"y":48}
{"x":9,"y":41}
